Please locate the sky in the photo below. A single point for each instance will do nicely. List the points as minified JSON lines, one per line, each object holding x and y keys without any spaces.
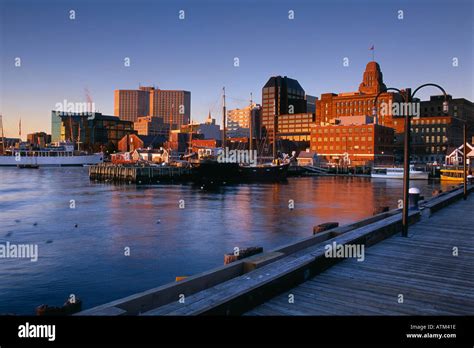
{"x":60,"y":57}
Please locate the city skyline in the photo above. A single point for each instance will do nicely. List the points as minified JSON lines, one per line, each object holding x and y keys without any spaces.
{"x":60,"y":57}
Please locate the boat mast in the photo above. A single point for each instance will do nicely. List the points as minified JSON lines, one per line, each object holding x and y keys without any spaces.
{"x":2,"y":139}
{"x":79,"y":136}
{"x":190,"y":146}
{"x":223,"y":118}
{"x":250,"y":125}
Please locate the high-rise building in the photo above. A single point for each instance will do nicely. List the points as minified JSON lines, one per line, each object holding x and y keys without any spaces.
{"x":173,"y":106}
{"x":131,"y":104}
{"x":281,"y":95}
{"x":311,"y":103}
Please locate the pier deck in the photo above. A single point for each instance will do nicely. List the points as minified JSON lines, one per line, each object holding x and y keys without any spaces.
{"x":421,"y":268}
{"x":138,"y":174}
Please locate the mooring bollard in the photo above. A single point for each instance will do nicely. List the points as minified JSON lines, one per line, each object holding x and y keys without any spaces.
{"x":239,"y":254}
{"x":414,"y":198}
{"x":324,"y":227}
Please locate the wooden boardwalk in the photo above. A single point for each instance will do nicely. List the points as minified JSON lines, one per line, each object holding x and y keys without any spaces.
{"x":421,"y":268}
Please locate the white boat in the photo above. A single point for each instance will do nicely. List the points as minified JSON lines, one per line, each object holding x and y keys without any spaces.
{"x":49,"y":157}
{"x":397,"y":173}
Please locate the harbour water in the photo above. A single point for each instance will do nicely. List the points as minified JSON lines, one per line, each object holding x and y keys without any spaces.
{"x":83,"y":228}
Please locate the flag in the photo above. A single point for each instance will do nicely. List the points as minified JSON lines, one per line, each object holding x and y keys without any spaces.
{"x":372,"y":48}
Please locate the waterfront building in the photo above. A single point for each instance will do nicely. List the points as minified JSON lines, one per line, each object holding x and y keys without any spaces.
{"x":280,"y":96}
{"x":90,"y":130}
{"x":433,"y":137}
{"x":457,"y":107}
{"x":353,"y":145}
{"x":456,"y":156}
{"x":296,"y":127}
{"x":307,"y":158}
{"x":39,"y":139}
{"x":131,"y":104}
{"x":131,"y":142}
{"x":151,"y":126}
{"x":179,"y":143}
{"x":204,"y":143}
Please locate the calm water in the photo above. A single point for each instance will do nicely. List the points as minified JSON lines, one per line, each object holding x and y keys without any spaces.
{"x":165,"y":241}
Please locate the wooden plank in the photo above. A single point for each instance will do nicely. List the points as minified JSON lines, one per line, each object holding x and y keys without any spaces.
{"x":421,"y":267}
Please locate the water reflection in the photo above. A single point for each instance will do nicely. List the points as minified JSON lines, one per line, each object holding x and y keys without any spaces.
{"x":165,"y":241}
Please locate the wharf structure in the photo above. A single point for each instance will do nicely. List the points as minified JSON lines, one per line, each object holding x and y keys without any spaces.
{"x":431,"y":270}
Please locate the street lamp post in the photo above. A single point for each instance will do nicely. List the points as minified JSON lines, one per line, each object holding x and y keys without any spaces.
{"x":465,"y":157}
{"x":464,"y":196}
{"x":408,"y":97}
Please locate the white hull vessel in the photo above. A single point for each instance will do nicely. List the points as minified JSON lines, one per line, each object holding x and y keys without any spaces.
{"x":51,"y":161}
{"x":397,"y":173}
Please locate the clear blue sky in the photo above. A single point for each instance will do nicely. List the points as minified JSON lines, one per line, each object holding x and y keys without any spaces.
{"x":61,"y":57}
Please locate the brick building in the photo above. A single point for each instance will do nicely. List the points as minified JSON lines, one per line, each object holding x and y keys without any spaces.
{"x":331,"y":106}
{"x":353,"y":145}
